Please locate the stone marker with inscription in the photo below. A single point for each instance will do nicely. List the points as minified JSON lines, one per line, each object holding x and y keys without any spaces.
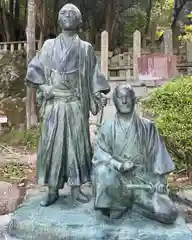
{"x":157,"y":67}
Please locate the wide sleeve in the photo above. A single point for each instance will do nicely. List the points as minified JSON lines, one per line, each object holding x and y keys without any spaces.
{"x":102,"y":144}
{"x":36,"y":68}
{"x":161,"y":160}
{"x":97,"y":79}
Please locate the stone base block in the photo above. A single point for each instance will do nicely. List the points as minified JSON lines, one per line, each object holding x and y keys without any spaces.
{"x":61,"y":221}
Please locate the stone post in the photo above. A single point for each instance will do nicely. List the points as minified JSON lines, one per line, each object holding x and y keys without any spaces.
{"x":5,"y":48}
{"x":19,"y":47}
{"x":128,"y":72}
{"x":168,"y":41}
{"x":12,"y":47}
{"x":104,"y":53}
{"x":136,"y":54}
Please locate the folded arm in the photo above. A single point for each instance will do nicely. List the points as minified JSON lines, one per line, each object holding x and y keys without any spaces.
{"x":103,"y":157}
{"x":102,"y":148}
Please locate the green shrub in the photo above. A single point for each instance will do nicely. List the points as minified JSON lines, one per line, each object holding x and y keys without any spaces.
{"x":171,"y":106}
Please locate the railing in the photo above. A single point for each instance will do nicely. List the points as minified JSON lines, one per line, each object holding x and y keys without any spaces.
{"x":14,"y":46}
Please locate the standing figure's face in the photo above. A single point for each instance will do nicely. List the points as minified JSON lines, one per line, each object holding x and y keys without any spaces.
{"x":69,"y":17}
{"x":124,"y":99}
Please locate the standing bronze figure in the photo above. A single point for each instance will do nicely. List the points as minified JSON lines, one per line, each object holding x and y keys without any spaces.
{"x":69,"y":85}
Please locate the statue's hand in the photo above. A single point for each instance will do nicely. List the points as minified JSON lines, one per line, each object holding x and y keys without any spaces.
{"x":160,"y":187}
{"x":126,"y":166}
{"x":48,"y":92}
{"x":101,"y":99}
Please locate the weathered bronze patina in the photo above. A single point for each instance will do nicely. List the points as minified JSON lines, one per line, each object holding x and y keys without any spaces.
{"x":69,"y":85}
{"x":131,"y":164}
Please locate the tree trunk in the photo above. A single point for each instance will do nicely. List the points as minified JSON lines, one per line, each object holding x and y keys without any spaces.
{"x":43,"y":23}
{"x":113,"y":37}
{"x":92,"y":30}
{"x":108,"y":16}
{"x":31,"y":114}
{"x":11,"y":7}
{"x":148,"y":18}
{"x":176,"y":41}
{"x":6,"y":26}
{"x":25,"y":14}
{"x":17,"y":12}
{"x":55,"y":10}
{"x":112,"y":15}
{"x":17,"y":29}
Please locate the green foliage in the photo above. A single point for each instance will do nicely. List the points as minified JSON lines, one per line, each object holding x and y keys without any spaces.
{"x":171,"y":105}
{"x":188,"y":34}
{"x":132,"y":19}
{"x":159,"y":33}
{"x":187,"y":31}
{"x":162,"y":12}
{"x":26,"y":138}
{"x":161,"y":16}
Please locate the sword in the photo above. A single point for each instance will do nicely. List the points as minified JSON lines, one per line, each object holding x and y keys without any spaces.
{"x":99,"y":119}
{"x":140,"y":186}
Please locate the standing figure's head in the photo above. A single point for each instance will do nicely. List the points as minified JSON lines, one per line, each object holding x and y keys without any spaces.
{"x":69,"y":17}
{"x":124,"y":99}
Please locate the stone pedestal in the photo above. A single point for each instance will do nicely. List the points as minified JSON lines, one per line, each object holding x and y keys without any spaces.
{"x":61,"y":221}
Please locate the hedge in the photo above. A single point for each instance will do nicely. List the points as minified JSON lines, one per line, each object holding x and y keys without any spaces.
{"x":171,"y":106}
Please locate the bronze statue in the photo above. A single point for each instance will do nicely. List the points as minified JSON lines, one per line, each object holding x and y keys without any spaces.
{"x":131,"y":164}
{"x":69,"y":85}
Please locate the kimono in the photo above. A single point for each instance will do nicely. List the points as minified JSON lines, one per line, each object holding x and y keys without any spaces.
{"x":64,"y":151}
{"x":141,"y":144}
